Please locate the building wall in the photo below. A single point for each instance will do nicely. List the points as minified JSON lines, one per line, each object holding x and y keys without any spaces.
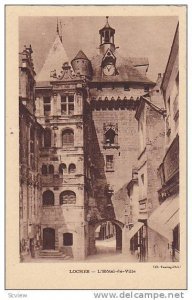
{"x":159,"y":248}
{"x":30,"y":141}
{"x":67,"y":217}
{"x":169,"y":166}
{"x":155,"y":151}
{"x":170,"y":89}
{"x":30,"y":181}
{"x":124,"y":156}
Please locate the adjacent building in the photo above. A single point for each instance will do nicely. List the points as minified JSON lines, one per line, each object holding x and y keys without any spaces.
{"x":155,"y":234}
{"x":165,"y":220}
{"x":30,"y":137}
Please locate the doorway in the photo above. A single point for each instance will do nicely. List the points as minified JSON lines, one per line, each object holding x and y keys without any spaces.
{"x":49,"y":239}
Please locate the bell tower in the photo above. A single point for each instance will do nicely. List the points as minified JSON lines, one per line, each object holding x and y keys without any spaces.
{"x":106,"y":38}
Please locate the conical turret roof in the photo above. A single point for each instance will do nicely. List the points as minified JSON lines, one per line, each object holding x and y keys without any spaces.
{"x":80,"y":55}
{"x":54,"y":61}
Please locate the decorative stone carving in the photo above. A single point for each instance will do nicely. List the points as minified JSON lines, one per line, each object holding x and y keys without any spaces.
{"x":65,"y":74}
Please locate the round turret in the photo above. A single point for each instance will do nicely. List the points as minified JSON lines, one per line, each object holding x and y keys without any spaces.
{"x":81,"y":64}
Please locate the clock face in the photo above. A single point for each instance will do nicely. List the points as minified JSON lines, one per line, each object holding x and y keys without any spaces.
{"x":109,"y":70}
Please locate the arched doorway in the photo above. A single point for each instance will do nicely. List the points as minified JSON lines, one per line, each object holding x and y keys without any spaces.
{"x":48,"y":239}
{"x":108,"y":237}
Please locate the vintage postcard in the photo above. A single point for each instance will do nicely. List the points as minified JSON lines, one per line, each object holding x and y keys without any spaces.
{"x":96,"y":171}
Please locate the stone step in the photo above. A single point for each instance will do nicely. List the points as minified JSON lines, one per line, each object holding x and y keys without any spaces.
{"x":63,"y":257}
{"x":53,"y":254}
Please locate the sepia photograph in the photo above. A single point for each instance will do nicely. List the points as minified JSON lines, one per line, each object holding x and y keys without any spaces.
{"x":98,"y":140}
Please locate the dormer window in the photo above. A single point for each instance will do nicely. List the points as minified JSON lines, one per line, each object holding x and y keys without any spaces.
{"x":110,"y":136}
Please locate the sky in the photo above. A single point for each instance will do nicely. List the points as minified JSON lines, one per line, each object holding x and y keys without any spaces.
{"x":150,"y":37}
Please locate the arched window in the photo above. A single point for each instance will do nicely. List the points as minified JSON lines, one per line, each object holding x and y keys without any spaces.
{"x":47,"y":138}
{"x":62,"y":168}
{"x":51,"y":169}
{"x":110,"y":137}
{"x":67,"y":137}
{"x":48,"y":198}
{"x":44,"y":170}
{"x":67,"y":197}
{"x":72,"y":168}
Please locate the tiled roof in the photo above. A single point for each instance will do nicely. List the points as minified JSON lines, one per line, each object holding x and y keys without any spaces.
{"x":126,"y":67}
{"x":54,"y":61}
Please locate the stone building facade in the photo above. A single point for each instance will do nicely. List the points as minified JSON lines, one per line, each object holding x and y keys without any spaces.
{"x":156,"y":234}
{"x":87,"y":109}
{"x":30,"y":137}
{"x":150,"y":116}
{"x":165,"y":220}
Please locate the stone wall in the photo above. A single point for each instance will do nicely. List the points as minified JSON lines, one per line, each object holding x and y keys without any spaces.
{"x":124,"y":155}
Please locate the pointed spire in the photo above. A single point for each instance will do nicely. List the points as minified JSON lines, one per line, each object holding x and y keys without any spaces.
{"x":57,"y":27}
{"x":107,"y":23}
{"x":61,"y":32}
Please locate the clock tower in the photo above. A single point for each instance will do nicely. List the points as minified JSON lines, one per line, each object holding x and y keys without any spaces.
{"x":108,"y":63}
{"x":107,"y":38}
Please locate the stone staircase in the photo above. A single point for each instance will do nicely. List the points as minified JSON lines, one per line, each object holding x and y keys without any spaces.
{"x":53,"y":254}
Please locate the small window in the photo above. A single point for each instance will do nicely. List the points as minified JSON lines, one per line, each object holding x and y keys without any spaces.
{"x":110,"y":137}
{"x":109,"y":163}
{"x":44,"y":170}
{"x":67,"y":105}
{"x":143,"y":179}
{"x":51,"y":169}
{"x":176,"y":238}
{"x":62,"y":168}
{"x":107,"y":39}
{"x":72,"y":168}
{"x":47,"y":138}
{"x":177,"y":81}
{"x":63,"y":105}
{"x":68,"y":137}
{"x":142,"y":204}
{"x":67,"y":197}
{"x":126,"y":87}
{"x":168,"y":104}
{"x":32,"y":138}
{"x":146,"y":89}
{"x":47,"y":100}
{"x":48,"y":198}
{"x":67,"y":239}
{"x":47,"y":106}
